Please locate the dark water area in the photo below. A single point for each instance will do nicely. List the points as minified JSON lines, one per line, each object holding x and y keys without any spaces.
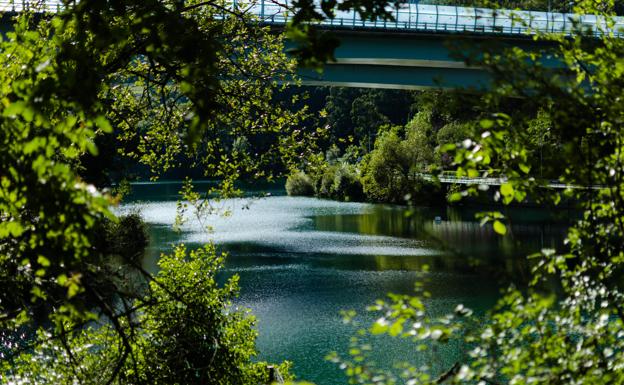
{"x":170,"y":190}
{"x":303,"y":260}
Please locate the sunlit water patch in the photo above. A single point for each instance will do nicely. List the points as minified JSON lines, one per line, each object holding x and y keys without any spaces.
{"x":282,"y":223}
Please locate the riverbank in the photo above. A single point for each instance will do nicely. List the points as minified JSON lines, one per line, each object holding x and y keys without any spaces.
{"x":346,"y":185}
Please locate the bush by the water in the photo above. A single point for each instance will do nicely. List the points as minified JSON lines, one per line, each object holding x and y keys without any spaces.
{"x":346,"y":184}
{"x":324,"y":181}
{"x":126,"y":237}
{"x":299,"y":184}
{"x":341,"y":182}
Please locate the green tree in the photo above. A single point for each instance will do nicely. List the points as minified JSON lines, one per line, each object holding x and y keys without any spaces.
{"x":338,"y":106}
{"x":57,"y":272}
{"x":166,"y":78}
{"x":392,"y":172}
{"x":387,"y":171}
{"x":354,"y":115}
{"x":366,"y":118}
{"x":188,"y":332}
{"x":535,"y":335}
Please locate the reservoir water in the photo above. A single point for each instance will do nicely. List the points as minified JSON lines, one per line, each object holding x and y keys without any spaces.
{"x":303,"y":260}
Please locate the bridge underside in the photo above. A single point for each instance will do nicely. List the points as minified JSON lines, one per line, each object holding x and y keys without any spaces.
{"x":378,"y":59}
{"x":351,"y":74}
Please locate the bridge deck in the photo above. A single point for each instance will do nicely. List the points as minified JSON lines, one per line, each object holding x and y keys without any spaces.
{"x":409,"y":17}
{"x":438,"y":18}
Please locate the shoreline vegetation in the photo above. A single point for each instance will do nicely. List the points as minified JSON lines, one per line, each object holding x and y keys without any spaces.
{"x":428,"y":193}
{"x":375,"y":153}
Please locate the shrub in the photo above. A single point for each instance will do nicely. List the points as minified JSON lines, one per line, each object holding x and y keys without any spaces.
{"x":186,"y":332}
{"x":453,"y":132}
{"x":128,"y":237}
{"x":325,"y":181}
{"x":346,"y":184}
{"x":299,"y":184}
{"x":339,"y":181}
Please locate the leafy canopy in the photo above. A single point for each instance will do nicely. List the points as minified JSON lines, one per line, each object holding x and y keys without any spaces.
{"x":164,"y":78}
{"x":572,"y":334}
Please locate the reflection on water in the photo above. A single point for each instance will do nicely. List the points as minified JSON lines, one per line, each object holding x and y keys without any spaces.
{"x":457,"y":243}
{"x":302,"y":260}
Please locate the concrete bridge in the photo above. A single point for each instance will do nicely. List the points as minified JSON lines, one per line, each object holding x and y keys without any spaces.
{"x":419,"y":48}
{"x":416,"y":50}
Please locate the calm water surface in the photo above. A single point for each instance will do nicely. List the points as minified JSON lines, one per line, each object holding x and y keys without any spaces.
{"x":302,"y":260}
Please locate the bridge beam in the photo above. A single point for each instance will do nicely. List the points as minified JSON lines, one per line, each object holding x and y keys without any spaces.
{"x":408,"y":60}
{"x":395,"y":77}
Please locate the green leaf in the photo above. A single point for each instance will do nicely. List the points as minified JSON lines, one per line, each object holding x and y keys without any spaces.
{"x":455,"y":197}
{"x":91,"y":147}
{"x":14,"y":109}
{"x":103,"y":124}
{"x":379,"y":327}
{"x":486,"y":123}
{"x":506,"y":189}
{"x":62,"y":279}
{"x":396,"y":328}
{"x":28,"y":114}
{"x":13,"y":229}
{"x":38,"y":293}
{"x":34,"y":144}
{"x":448,"y":147}
{"x":500,"y":227}
{"x":72,"y":290}
{"x":43,"y":261}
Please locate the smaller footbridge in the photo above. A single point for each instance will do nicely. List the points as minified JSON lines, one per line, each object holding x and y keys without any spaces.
{"x":451,"y":178}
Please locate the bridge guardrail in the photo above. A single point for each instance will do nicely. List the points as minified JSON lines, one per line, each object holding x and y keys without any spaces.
{"x":439,"y":18}
{"x":409,"y":17}
{"x":28,"y":5}
{"x":447,"y":177}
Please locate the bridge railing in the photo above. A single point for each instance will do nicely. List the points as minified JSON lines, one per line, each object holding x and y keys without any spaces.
{"x":30,"y":5}
{"x":408,"y":17}
{"x":425,"y":17}
{"x":450,"y":177}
